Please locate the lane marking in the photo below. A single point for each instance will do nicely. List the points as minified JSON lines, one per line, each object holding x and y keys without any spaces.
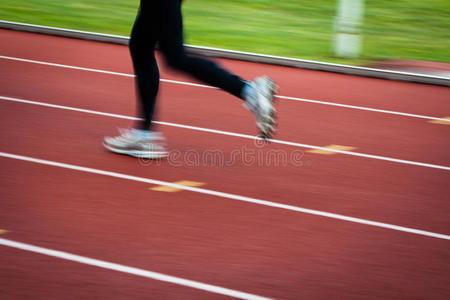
{"x":441,"y":122}
{"x":211,"y":87}
{"x":130,"y":270}
{"x":99,"y":71}
{"x":331,"y":147}
{"x":227,"y":196}
{"x":169,"y":189}
{"x":365,"y":108}
{"x":227,"y":133}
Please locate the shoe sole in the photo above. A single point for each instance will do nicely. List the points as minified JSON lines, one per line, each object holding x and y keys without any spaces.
{"x":138,"y":153}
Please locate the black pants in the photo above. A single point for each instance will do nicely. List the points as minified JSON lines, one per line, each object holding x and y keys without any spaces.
{"x":161,"y":21}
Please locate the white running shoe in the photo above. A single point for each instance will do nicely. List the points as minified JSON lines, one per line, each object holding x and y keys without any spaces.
{"x":261,"y":104}
{"x":137,"y":143}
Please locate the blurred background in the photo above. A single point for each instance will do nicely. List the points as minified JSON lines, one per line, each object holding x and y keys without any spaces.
{"x":385,"y":29}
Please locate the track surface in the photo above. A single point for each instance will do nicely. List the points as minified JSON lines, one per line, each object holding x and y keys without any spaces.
{"x":210,"y":238}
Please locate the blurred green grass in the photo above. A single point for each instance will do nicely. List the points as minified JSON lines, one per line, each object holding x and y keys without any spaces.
{"x":402,"y":29}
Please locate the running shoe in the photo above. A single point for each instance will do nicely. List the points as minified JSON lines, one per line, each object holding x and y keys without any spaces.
{"x":261,"y":104}
{"x":133,"y":142}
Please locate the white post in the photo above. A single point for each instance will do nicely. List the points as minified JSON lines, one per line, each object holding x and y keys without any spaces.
{"x":347,"y":40}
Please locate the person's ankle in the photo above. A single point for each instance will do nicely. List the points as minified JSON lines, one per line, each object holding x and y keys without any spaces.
{"x":249,"y":94}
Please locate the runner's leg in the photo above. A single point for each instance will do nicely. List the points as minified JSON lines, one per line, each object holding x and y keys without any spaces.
{"x":142,"y":44}
{"x":171,"y":43}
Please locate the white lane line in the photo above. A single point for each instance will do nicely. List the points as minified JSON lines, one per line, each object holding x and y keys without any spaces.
{"x":363,"y":108}
{"x":245,"y":136}
{"x":130,"y":270}
{"x":88,"y":111}
{"x":98,"y":71}
{"x":226,"y":195}
{"x":207,"y":86}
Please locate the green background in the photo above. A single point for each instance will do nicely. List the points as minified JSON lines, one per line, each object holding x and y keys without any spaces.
{"x":414,"y":29}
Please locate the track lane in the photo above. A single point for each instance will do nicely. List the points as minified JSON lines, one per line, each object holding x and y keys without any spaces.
{"x":345,"y":89}
{"x":371,"y":133}
{"x":240,"y":246}
{"x":28,"y":275}
{"x":363,"y":190}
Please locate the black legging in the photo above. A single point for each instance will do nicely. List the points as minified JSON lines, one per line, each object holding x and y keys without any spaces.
{"x":161,"y":21}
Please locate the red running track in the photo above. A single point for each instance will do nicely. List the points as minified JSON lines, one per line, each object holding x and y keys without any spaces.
{"x":252,"y":248}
